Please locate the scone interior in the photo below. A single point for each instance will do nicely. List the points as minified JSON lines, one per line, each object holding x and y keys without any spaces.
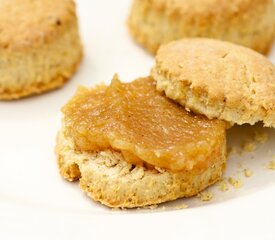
{"x":249,"y":23}
{"x":141,"y":129}
{"x":40,"y":47}
{"x":218,"y":79}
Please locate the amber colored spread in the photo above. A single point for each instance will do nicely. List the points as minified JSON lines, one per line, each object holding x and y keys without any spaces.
{"x":144,"y":125}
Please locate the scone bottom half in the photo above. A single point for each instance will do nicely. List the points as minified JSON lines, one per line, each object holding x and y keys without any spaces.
{"x":130,"y":146}
{"x":218,"y":79}
{"x":39,"y":51}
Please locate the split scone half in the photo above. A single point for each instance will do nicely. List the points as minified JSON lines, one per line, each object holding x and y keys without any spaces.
{"x":39,"y":44}
{"x":218,"y":79}
{"x":130,"y":146}
{"x":250,"y":23}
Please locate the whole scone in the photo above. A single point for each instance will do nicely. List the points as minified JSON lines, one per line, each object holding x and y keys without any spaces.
{"x":246,"y":22}
{"x":39,"y":44}
{"x":218,"y":79}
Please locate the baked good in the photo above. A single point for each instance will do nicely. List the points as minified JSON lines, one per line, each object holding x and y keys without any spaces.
{"x":218,"y":79}
{"x":246,"y":22}
{"x":40,"y":46}
{"x":136,"y":157}
{"x":106,"y":177}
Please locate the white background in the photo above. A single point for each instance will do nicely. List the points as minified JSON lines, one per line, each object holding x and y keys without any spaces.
{"x":36,"y":203}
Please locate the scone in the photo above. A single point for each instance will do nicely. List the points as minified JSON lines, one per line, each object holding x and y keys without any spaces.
{"x":250,"y":23}
{"x":39,"y":44}
{"x":130,"y":146}
{"x":218,"y":79}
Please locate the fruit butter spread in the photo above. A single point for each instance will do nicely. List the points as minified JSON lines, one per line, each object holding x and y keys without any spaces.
{"x":144,"y":125}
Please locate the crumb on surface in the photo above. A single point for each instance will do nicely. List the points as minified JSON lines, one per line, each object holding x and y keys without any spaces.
{"x":236,"y":183}
{"x":205,"y":196}
{"x":223,"y":186}
{"x":247,"y":172}
{"x":249,"y":146}
{"x":231,"y":150}
{"x":116,"y":209}
{"x":151,"y":207}
{"x":181,"y":206}
{"x":271,"y":165}
{"x":260,"y":137}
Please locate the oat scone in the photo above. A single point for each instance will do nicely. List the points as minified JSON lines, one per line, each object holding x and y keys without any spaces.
{"x":106,"y":177}
{"x":218,"y":79}
{"x":246,"y":22}
{"x":130,"y":146}
{"x":39,"y":44}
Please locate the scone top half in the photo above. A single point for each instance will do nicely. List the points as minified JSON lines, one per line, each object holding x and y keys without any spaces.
{"x":40,"y":47}
{"x":29,"y":24}
{"x":250,"y":23}
{"x":218,"y":79}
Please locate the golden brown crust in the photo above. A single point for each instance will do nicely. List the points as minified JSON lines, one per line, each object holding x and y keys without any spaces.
{"x":107,"y":178}
{"x":27,"y":24}
{"x":250,"y":23}
{"x":44,"y":52}
{"x":218,"y":79}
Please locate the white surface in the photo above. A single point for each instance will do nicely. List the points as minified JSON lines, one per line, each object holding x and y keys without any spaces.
{"x":36,"y":203}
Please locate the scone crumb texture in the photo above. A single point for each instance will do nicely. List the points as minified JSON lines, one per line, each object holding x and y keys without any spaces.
{"x":248,"y":172}
{"x":205,"y":196}
{"x":223,"y":186}
{"x":271,"y":165}
{"x":181,"y":206}
{"x":236,"y":183}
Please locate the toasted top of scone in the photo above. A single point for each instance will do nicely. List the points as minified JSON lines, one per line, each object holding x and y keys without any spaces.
{"x":28,"y":23}
{"x":210,"y":8}
{"x":145,"y":126}
{"x":218,"y":79}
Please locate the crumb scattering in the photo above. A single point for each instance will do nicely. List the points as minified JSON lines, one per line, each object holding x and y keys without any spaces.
{"x":260,"y":137}
{"x":236,"y":183}
{"x":205,"y":196}
{"x":231,"y":150}
{"x":248,"y":173}
{"x":249,"y":146}
{"x":271,"y":165}
{"x":115,"y":209}
{"x":223,"y":186}
{"x":181,"y":206}
{"x":152,"y":206}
